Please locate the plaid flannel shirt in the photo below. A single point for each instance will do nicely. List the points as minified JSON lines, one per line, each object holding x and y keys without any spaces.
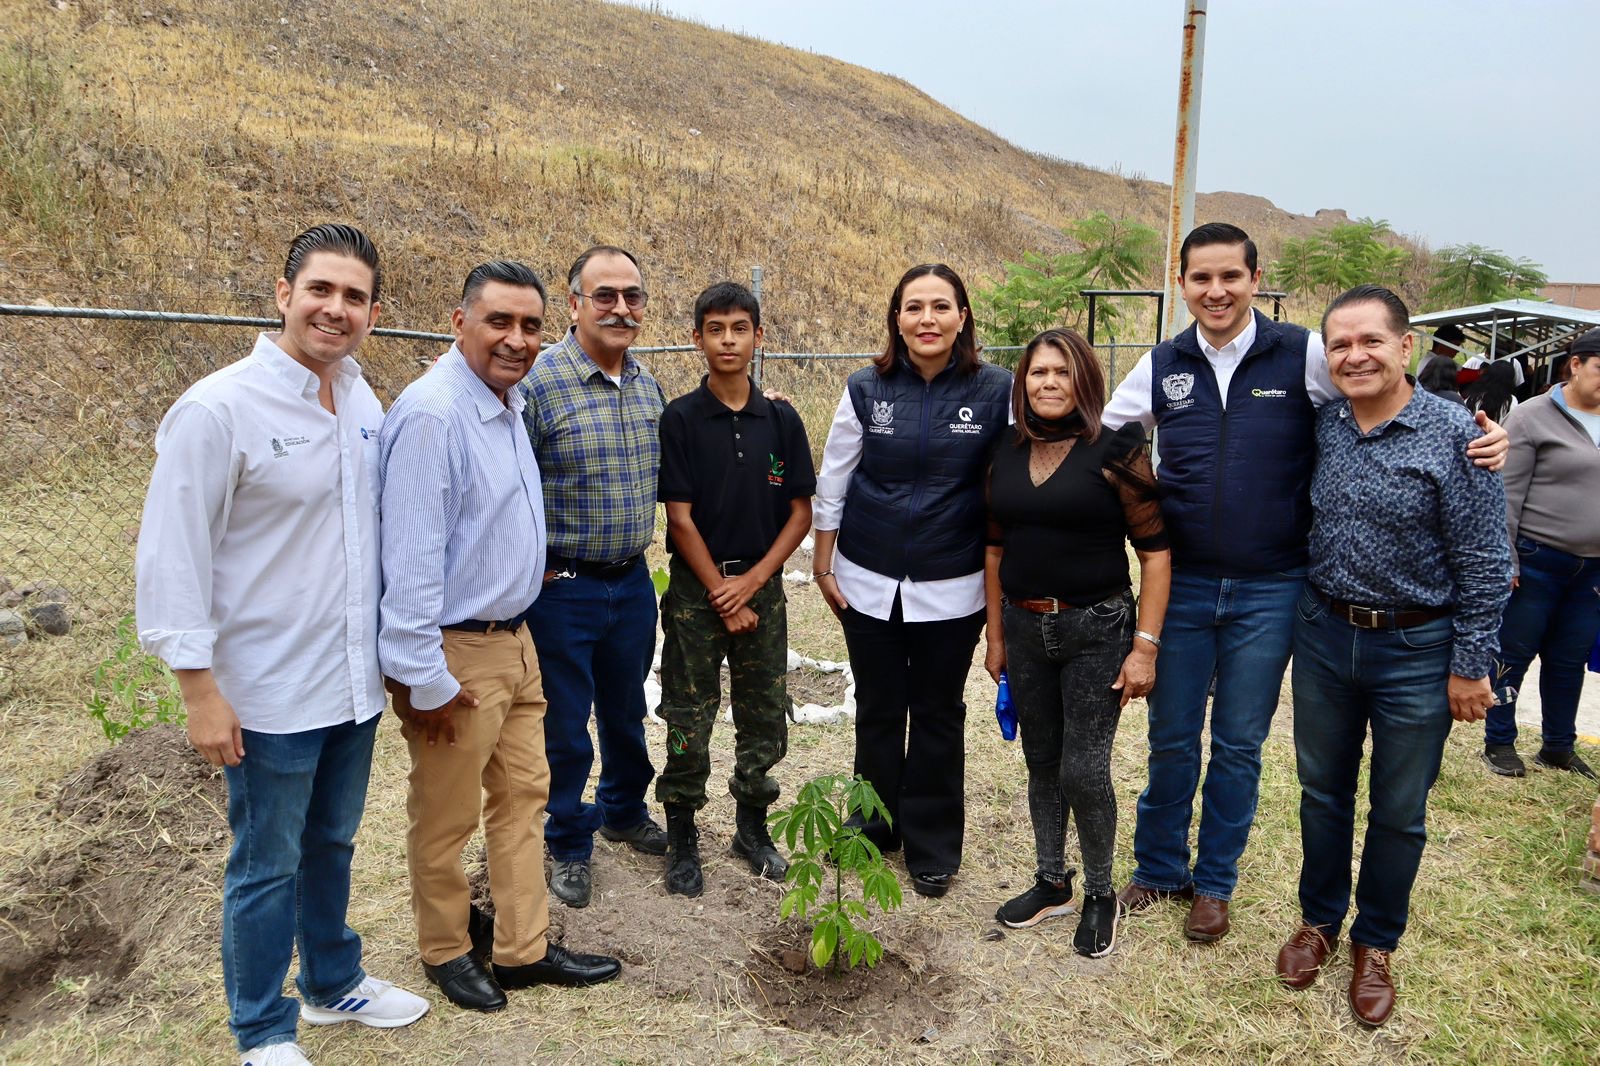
{"x":599,"y":451}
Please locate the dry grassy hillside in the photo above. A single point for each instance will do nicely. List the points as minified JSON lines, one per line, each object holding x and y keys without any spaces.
{"x":161,"y":153}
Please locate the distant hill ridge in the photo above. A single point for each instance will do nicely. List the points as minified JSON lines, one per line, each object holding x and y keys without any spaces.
{"x":456,"y":130}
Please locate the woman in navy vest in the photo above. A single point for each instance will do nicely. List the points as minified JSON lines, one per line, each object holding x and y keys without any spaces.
{"x":900,"y":517}
{"x":1065,"y":497}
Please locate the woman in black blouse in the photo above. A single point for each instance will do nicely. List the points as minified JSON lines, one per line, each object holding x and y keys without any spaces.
{"x":1064,"y":497}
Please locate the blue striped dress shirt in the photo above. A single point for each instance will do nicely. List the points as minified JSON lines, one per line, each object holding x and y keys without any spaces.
{"x":462,"y":521}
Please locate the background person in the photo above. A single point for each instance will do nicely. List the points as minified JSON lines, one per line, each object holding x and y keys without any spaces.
{"x":899,"y":520}
{"x":258,"y":583}
{"x":1493,"y":391}
{"x":1394,"y":634}
{"x":1552,"y":480}
{"x":1064,"y":497}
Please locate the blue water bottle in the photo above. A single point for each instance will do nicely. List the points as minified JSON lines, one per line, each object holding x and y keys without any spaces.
{"x":1003,"y":711}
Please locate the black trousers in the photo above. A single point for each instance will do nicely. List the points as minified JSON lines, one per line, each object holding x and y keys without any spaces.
{"x":911,"y":674}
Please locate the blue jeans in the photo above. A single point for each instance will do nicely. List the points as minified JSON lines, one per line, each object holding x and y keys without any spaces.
{"x":1554,"y":613}
{"x":1237,"y":630}
{"x":1345,"y":679}
{"x":294,"y":803}
{"x":595,"y":637}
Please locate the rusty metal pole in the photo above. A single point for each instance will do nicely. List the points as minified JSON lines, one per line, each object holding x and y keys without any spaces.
{"x":1180,"y":210}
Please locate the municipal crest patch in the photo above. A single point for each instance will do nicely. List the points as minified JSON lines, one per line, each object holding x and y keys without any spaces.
{"x":882,"y":412}
{"x":1177,"y":386}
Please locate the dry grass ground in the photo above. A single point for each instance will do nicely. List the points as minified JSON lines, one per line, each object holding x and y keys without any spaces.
{"x":1498,"y":965}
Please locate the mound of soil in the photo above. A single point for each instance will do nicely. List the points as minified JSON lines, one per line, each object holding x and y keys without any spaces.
{"x":889,"y":1005}
{"x":807,"y":684}
{"x":140,"y":872}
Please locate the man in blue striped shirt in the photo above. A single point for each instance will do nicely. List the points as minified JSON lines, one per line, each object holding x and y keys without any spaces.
{"x":593,"y":414}
{"x":463,"y":559}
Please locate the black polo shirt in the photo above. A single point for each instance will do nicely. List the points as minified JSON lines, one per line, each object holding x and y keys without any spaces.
{"x":739,"y":469}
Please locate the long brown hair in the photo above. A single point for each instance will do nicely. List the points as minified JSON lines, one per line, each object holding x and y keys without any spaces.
{"x":966,"y":345}
{"x":1083,"y":369}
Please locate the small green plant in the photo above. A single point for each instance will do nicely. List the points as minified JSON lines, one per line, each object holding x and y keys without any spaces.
{"x":133,"y":690}
{"x":816,"y":832}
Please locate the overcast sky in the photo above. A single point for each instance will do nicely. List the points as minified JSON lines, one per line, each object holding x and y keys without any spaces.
{"x":1456,"y":120}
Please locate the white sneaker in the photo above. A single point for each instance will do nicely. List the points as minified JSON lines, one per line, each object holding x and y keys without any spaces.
{"x":372,"y":1002}
{"x":275,"y":1055}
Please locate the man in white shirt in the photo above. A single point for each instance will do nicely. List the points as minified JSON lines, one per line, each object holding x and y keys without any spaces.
{"x":258,"y":583}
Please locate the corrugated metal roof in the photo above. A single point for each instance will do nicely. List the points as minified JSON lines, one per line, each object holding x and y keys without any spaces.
{"x":1506,"y":311}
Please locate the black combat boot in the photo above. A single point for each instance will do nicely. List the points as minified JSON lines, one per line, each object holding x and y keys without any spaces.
{"x":752,"y":843}
{"x":683,"y":853}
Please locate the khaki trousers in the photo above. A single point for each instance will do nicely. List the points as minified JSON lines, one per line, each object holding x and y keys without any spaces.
{"x":497,"y":770}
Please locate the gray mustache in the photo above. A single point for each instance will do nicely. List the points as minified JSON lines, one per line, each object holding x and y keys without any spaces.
{"x":619,"y":320}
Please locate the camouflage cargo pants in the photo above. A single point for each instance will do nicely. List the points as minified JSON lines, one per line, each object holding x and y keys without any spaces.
{"x":695,"y":644}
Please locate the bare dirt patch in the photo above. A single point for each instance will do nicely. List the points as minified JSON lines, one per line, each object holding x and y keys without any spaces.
{"x":135,"y":840}
{"x":807,"y":684}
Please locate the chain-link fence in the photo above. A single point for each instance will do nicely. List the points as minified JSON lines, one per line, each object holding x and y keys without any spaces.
{"x":81,"y":395}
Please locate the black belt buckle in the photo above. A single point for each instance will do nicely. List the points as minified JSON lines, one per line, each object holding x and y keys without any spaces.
{"x":1374,"y":618}
{"x":734,"y":567}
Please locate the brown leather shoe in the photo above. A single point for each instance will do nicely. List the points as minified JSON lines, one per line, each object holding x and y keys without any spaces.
{"x":1371,"y":986}
{"x":1207,"y":921}
{"x":1302,"y":955}
{"x":1136,"y":897}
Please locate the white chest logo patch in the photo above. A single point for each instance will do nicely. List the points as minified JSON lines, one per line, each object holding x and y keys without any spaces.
{"x":882,"y":412}
{"x":1177,"y":386}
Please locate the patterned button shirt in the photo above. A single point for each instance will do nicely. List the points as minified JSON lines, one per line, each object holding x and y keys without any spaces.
{"x":599,"y":450}
{"x":1402,"y":518}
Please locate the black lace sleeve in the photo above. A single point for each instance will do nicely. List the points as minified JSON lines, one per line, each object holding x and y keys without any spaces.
{"x":1127,"y":468}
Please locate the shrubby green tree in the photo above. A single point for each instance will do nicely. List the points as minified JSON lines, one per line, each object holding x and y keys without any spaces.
{"x":1339,"y":258}
{"x":1467,"y":274}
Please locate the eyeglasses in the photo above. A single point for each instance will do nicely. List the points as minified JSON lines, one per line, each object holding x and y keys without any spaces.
{"x":606,"y":299}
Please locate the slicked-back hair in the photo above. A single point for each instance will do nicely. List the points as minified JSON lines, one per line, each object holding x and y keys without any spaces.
{"x":726,"y":296}
{"x":1394,"y":307}
{"x":1217,"y":233}
{"x":966,"y":345}
{"x":340,"y":239}
{"x":505,"y":271}
{"x":582,"y":261}
{"x":1083,"y":371}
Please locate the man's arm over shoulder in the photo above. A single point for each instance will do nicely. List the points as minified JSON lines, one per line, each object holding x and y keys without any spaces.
{"x":419,"y":506}
{"x":185,"y":516}
{"x":1472,"y":513}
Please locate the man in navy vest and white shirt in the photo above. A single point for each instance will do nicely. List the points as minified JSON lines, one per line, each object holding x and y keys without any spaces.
{"x":1234,"y":399}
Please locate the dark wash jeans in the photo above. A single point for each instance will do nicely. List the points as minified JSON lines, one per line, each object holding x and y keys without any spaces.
{"x":1554,"y":613}
{"x":1061,"y":668}
{"x":595,"y":637}
{"x":1237,"y":630}
{"x":294,"y":803}
{"x":1345,"y":680}
{"x":909,"y":730}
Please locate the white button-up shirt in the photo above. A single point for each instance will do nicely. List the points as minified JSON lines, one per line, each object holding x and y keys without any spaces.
{"x":463,"y":521}
{"x":1132,"y":400}
{"x":258,"y":554}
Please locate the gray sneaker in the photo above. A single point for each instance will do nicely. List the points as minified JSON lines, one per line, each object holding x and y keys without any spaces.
{"x":647,"y":837}
{"x":572,"y":882}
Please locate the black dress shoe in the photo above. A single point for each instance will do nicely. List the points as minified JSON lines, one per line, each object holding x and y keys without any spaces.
{"x":931,"y":885}
{"x":559,"y":967}
{"x":465,"y":982}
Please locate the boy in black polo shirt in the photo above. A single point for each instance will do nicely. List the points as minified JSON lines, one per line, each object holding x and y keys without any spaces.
{"x":737,"y":479}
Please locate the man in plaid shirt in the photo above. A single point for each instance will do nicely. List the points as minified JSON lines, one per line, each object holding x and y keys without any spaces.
{"x":593,"y":415}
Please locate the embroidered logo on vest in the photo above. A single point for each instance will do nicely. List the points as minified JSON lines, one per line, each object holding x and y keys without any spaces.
{"x":1178,"y":387}
{"x":966,"y":427}
{"x":882,"y":417}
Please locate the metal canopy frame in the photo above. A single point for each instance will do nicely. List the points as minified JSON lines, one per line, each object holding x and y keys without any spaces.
{"x":1507,"y":328}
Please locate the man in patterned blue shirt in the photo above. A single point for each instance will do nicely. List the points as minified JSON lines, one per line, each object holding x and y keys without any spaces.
{"x":1410,"y":567}
{"x":594,"y":415}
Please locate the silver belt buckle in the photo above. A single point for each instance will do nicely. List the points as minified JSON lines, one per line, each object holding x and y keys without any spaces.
{"x":1055,"y":605}
{"x":722,"y":568}
{"x":1373,"y":616}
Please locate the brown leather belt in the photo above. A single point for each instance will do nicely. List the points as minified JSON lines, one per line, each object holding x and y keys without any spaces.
{"x":1382,"y":617}
{"x":1048,"y":605}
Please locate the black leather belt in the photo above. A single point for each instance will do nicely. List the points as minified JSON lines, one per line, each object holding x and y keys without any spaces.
{"x":592,"y":569}
{"x":734,"y":567}
{"x":1381,"y":617}
{"x":474,"y":625}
